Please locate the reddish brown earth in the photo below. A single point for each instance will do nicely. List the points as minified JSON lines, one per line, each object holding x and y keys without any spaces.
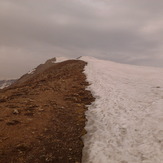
{"x":43,"y":118}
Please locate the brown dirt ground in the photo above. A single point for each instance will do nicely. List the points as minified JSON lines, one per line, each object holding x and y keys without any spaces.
{"x":43,"y":119}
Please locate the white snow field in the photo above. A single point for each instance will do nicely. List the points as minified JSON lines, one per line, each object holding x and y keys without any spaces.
{"x":125,"y":123}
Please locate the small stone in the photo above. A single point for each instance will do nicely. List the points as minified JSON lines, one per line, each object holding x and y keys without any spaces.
{"x":22,"y":147}
{"x":45,"y":129}
{"x":13,"y":122}
{"x":75,"y":99}
{"x":40,"y":109}
{"x":30,"y":100}
{"x":16,"y":111}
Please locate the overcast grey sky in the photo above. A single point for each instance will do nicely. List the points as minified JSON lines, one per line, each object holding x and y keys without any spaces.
{"x":32,"y":31}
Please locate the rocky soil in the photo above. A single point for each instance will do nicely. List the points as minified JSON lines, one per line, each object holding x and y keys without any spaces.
{"x":43,"y":118}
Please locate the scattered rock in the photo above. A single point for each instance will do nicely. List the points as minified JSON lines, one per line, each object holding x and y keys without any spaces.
{"x":13,"y":122}
{"x":70,"y":149}
{"x":40,"y":109}
{"x":30,"y":100}
{"x":16,"y":111}
{"x":32,"y":106}
{"x":22,"y":147}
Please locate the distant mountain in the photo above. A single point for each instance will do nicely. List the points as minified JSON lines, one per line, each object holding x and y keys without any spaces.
{"x":6,"y":83}
{"x":39,"y":69}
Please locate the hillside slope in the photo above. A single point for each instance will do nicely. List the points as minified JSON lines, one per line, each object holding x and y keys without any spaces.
{"x":42,"y":118}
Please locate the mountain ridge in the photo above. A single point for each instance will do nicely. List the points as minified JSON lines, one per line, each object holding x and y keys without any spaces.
{"x":43,"y":117}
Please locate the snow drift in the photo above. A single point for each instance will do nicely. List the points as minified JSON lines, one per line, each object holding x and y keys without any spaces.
{"x":6,"y":83}
{"x":125,"y":123}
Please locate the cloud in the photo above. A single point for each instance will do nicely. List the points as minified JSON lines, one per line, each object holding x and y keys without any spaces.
{"x":32,"y":31}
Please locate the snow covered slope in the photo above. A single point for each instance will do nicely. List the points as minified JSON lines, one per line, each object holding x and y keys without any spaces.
{"x":125,"y":123}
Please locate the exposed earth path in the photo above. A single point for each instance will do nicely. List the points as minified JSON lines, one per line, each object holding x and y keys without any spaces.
{"x":43,"y":118}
